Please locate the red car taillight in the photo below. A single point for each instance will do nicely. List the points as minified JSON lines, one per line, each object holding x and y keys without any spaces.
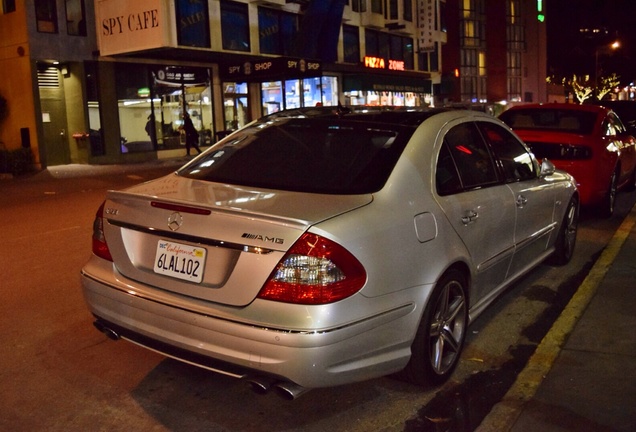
{"x":100,"y":248}
{"x":314,"y":271}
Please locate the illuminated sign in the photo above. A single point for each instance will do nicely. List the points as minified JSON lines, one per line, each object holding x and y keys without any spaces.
{"x":380,"y":63}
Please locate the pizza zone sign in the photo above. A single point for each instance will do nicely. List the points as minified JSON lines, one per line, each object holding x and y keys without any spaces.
{"x":380,"y":63}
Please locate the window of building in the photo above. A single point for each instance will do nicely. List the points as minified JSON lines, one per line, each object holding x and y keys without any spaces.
{"x":429,"y":61}
{"x":235,"y":106}
{"x":151,"y":101}
{"x":408,"y":10}
{"x":359,"y":5}
{"x":46,"y":16}
{"x":75,"y":18}
{"x":193,"y":23}
{"x":389,"y":46}
{"x":8,"y":6}
{"x":276,"y":31}
{"x":377,"y":44}
{"x":351,"y":44}
{"x":376,"y":6}
{"x":297,"y":93}
{"x":235,"y":26}
{"x":392,"y":13}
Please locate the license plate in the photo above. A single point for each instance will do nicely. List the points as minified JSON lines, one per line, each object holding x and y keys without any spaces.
{"x":180,"y":261}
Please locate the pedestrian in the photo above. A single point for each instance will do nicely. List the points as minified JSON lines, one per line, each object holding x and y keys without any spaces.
{"x":192,"y":136}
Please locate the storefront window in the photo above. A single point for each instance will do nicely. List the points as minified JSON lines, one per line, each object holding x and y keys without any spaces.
{"x":297,"y":93}
{"x":329,"y":90}
{"x":272,"y":97}
{"x":276,"y":30}
{"x":235,"y":105}
{"x":152,"y":101}
{"x":46,"y":16}
{"x":235,"y":26}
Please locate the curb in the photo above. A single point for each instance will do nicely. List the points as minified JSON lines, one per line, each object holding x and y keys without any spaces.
{"x":504,"y":414}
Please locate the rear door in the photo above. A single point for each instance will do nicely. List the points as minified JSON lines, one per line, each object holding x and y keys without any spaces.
{"x":478,"y":205}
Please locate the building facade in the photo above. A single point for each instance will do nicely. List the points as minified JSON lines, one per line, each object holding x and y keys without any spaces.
{"x":109,"y":81}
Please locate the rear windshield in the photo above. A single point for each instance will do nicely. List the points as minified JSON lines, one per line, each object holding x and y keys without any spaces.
{"x":571,"y":121}
{"x":320,"y":155}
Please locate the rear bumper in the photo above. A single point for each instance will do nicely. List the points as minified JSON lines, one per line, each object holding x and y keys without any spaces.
{"x":356,"y":351}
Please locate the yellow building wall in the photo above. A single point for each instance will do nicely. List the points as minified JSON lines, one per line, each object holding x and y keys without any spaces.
{"x":16,"y":81}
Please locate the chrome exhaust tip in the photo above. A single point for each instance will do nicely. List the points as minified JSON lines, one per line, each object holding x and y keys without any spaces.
{"x":110,"y":333}
{"x":260,"y":384}
{"x":290,"y":390}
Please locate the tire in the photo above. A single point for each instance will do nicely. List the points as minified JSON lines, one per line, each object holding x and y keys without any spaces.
{"x":608,"y":203}
{"x":566,"y":240}
{"x":440,"y":337}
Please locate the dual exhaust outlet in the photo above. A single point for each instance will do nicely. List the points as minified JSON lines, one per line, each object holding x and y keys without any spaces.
{"x":259,"y":384}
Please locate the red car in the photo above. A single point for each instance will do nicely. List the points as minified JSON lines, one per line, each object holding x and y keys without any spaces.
{"x":590,"y":142}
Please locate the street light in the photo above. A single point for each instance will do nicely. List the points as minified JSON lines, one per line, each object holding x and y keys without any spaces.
{"x":605,"y":48}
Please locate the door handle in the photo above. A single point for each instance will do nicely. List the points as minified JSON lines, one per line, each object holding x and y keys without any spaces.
{"x":471,"y":216}
{"x":521,"y":201}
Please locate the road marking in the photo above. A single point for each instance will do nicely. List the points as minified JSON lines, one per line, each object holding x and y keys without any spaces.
{"x":504,"y":415}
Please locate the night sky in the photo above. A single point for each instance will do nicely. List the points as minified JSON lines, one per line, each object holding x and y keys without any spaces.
{"x":569,"y":52}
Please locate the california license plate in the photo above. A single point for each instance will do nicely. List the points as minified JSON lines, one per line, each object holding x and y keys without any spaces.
{"x":180,"y":261}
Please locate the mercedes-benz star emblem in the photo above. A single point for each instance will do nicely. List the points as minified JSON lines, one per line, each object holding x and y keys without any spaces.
{"x":174,"y":221}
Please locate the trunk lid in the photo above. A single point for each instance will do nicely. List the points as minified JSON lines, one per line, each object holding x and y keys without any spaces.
{"x":210,"y":241}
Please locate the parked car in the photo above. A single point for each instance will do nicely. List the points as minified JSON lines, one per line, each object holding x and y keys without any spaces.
{"x":590,"y":142}
{"x":319,"y":247}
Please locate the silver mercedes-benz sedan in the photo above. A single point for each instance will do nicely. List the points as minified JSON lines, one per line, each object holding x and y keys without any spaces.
{"x":323,"y":246}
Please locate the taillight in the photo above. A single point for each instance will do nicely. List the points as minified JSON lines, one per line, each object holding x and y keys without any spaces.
{"x":314,"y":271}
{"x":100,"y":248}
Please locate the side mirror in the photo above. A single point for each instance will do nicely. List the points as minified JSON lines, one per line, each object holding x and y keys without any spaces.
{"x":547,"y":168}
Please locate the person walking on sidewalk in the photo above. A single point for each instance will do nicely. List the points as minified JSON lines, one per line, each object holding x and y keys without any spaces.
{"x":192,"y":136}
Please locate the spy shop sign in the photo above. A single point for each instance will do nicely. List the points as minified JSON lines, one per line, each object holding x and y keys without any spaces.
{"x":125,"y":26}
{"x":270,"y":68}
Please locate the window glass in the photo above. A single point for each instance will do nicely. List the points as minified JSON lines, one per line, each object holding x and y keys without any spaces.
{"x":351,"y":43}
{"x":516,"y":162}
{"x":151,"y":101}
{"x":359,"y":5}
{"x":276,"y":30}
{"x":46,"y":16}
{"x":193,"y":23}
{"x":371,"y":43}
{"x":568,"y":120}
{"x":8,"y":6}
{"x":75,"y":18}
{"x":446,"y":175}
{"x":408,"y":10}
{"x":471,"y":156}
{"x":235,"y":26}
{"x":319,"y":155}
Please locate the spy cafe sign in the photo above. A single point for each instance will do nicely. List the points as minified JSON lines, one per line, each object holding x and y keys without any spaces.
{"x":380,"y":63}
{"x":125,"y":26}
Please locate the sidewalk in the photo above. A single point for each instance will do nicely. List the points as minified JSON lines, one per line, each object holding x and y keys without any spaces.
{"x":582,"y":376}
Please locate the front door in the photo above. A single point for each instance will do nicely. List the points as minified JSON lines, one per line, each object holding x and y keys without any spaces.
{"x":54,"y":120}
